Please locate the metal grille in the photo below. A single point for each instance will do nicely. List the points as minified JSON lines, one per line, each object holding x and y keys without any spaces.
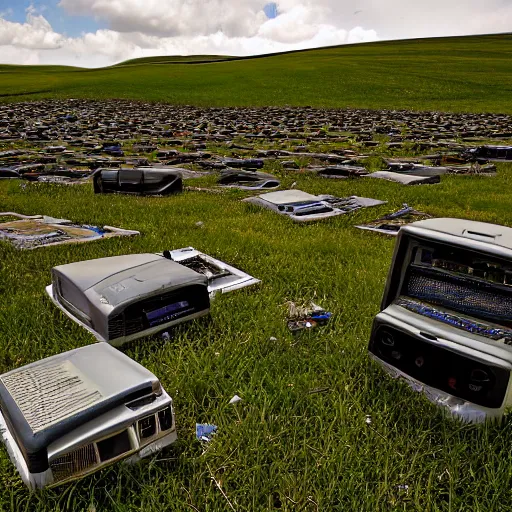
{"x":465,"y":295}
{"x":116,"y":327}
{"x":49,"y":393}
{"x":133,"y":319}
{"x":74,"y":463}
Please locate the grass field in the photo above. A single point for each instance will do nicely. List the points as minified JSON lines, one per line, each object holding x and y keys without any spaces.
{"x":299,"y":441}
{"x":450,"y":74}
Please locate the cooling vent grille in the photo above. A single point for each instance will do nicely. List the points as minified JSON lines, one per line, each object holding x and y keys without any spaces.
{"x":74,"y":463}
{"x":49,"y":393}
{"x":470,"y":297}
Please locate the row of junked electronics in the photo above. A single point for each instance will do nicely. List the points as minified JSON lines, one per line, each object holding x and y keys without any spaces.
{"x":445,"y":327}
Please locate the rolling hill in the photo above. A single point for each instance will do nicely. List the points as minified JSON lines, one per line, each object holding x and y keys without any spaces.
{"x":452,"y":74}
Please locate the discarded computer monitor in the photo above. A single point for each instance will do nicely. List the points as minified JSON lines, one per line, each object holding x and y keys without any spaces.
{"x":303,"y":207}
{"x":123,"y":298}
{"x":74,"y":413}
{"x":137,"y":181}
{"x":445,"y":324}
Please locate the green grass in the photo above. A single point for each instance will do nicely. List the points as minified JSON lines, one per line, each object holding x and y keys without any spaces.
{"x":175,"y":59}
{"x":285,"y":447}
{"x":449,"y":74}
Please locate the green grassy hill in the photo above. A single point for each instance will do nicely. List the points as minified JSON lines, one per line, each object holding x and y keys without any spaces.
{"x":176,"y":59}
{"x":451,"y":74}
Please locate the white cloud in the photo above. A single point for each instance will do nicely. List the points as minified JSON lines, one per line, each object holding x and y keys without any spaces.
{"x":35,"y":33}
{"x":235,"y":18}
{"x":238,"y":27}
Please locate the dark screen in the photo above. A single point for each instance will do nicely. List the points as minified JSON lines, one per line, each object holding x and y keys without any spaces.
{"x":114,"y":446}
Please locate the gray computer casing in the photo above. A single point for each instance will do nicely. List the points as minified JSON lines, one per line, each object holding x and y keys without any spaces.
{"x":447,"y":332}
{"x":73,"y":413}
{"x":104,"y":295}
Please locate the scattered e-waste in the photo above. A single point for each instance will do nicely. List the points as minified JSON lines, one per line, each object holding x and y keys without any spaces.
{"x":306,"y":317}
{"x":404,"y":179}
{"x":343,"y":171}
{"x":390,"y":224}
{"x":221,"y":277}
{"x":30,"y":232}
{"x":303,"y":207}
{"x":123,"y":298}
{"x":139,"y":181}
{"x":205,"y":431}
{"x":65,"y":416}
{"x":248,"y":180}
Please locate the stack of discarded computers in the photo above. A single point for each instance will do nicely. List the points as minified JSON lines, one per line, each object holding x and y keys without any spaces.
{"x":71,"y":414}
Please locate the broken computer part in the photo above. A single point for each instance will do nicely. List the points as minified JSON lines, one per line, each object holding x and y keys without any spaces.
{"x":392,"y":223}
{"x":405,"y":179}
{"x":30,"y":232}
{"x":123,"y":298}
{"x":247,"y":180}
{"x":7,"y":173}
{"x":493,"y":153}
{"x":74,"y":413}
{"x":342,"y":171}
{"x":142,"y":181}
{"x":303,"y":207}
{"x":445,"y":324}
{"x":221,"y":277}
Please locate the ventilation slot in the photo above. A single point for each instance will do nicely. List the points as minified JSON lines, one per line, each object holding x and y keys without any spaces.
{"x":74,"y":463}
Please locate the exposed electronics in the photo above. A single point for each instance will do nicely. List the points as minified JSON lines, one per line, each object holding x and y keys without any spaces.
{"x":123,"y":298}
{"x":222,"y":278}
{"x":392,"y":223}
{"x":137,"y":181}
{"x":72,"y":414}
{"x":303,"y":207}
{"x":446,"y":316}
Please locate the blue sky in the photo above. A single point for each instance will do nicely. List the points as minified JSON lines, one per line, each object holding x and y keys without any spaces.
{"x":73,"y":26}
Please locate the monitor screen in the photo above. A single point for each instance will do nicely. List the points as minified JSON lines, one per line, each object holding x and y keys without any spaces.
{"x":168,"y":312}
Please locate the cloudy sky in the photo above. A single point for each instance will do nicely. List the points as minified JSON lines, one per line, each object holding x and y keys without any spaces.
{"x":94,"y":33}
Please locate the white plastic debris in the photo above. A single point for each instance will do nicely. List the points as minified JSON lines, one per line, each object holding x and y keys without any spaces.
{"x":368,"y":419}
{"x":235,"y":400}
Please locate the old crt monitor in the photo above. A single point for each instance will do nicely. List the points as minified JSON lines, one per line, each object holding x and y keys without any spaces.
{"x":446,"y":316}
{"x":74,"y":413}
{"x":123,"y":298}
